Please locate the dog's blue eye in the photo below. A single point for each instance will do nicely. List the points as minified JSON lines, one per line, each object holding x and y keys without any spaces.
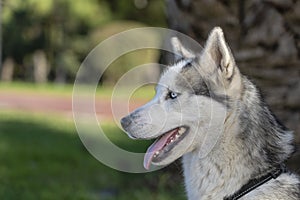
{"x":173,"y":95}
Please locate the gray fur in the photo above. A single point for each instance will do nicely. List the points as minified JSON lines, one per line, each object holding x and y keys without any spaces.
{"x":232,"y":136}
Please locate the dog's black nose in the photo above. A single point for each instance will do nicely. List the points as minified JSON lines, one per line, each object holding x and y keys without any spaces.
{"x":125,"y":122}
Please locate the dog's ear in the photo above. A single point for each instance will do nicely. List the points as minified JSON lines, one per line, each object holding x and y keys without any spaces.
{"x":179,"y":50}
{"x":217,"y":51}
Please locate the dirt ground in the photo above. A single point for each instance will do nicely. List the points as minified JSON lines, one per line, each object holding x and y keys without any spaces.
{"x":62,"y":105}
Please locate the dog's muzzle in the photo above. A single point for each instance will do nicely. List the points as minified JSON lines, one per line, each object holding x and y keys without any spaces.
{"x":125,"y":122}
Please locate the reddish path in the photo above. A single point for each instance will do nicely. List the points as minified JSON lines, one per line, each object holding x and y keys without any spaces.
{"x":47,"y":103}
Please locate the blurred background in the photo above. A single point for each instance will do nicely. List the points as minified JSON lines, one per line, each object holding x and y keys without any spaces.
{"x":43,"y":43}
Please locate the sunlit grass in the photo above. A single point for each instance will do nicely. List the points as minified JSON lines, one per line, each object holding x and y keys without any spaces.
{"x":145,"y":92}
{"x":47,"y":88}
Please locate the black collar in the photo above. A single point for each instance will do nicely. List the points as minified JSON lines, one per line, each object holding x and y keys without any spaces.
{"x":255,"y":183}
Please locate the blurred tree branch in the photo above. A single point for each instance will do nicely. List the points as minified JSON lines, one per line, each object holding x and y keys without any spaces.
{"x":0,"y":37}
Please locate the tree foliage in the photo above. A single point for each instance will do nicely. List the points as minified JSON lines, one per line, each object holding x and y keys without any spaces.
{"x":62,"y":29}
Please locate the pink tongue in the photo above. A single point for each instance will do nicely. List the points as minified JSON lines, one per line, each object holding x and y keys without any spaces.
{"x":156,"y":146}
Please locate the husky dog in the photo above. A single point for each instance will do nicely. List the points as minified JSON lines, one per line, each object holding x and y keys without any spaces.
{"x":210,"y":114}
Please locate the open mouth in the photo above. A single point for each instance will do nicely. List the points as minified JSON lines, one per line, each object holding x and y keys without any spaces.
{"x":163,"y":145}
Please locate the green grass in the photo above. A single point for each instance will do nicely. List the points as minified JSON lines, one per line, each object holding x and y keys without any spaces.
{"x":145,"y":92}
{"x":48,"y":88}
{"x":41,"y":157}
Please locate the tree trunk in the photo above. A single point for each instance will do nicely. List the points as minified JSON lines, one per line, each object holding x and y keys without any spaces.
{"x":265,"y":38}
{"x":40,"y":66}
{"x":8,"y":70}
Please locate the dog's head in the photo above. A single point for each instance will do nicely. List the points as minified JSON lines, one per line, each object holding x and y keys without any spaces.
{"x":191,"y":102}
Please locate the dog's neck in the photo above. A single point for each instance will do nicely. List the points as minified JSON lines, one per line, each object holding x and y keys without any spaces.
{"x":252,"y":143}
{"x":219,"y":174}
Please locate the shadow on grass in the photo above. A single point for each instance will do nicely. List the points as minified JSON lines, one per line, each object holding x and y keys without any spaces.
{"x":46,"y":160}
{"x":43,"y":158}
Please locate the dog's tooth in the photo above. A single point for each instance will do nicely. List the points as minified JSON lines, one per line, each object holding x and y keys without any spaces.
{"x":181,"y":130}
